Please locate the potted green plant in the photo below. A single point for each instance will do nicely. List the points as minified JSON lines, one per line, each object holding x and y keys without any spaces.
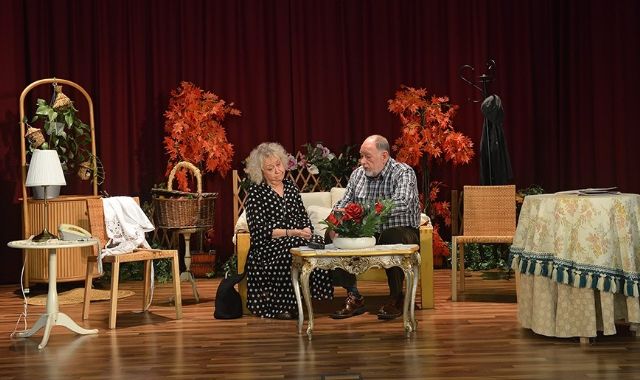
{"x":63,"y":131}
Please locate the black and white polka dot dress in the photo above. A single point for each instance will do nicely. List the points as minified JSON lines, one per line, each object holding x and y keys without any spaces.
{"x":269,"y":286}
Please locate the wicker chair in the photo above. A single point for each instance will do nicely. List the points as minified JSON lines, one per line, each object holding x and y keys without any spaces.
{"x":489,"y":217}
{"x":96,"y":222}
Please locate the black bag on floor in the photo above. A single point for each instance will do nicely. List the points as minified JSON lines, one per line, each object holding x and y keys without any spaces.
{"x":228,"y":303}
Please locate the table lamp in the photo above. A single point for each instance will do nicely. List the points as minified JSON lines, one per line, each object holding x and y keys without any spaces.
{"x":45,"y":170}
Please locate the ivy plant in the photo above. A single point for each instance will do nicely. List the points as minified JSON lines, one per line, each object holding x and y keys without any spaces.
{"x":65,"y":133}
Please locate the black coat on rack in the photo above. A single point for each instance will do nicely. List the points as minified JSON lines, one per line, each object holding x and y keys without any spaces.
{"x":495,"y":165}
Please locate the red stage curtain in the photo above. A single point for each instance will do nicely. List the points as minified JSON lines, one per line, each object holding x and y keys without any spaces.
{"x":303,"y":71}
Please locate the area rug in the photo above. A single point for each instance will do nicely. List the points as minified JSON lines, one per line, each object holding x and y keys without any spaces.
{"x":77,"y":296}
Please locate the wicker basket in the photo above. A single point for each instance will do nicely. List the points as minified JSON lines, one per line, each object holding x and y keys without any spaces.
{"x":179,"y":209}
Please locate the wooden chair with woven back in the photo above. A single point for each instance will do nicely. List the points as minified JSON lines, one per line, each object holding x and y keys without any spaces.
{"x":98,"y":230}
{"x":489,"y":216}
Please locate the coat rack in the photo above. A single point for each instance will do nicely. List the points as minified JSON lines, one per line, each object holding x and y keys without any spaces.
{"x":495,"y":165}
{"x":483,"y":80}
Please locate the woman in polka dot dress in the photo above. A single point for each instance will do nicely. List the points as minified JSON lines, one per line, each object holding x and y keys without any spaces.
{"x":277,"y":222}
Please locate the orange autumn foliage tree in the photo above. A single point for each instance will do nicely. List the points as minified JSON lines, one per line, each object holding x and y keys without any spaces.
{"x":428,"y":137}
{"x":193,"y":122}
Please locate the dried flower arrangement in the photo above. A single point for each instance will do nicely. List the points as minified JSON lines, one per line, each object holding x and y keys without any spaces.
{"x":428,"y":137}
{"x":330,"y":170}
{"x":195,"y":133}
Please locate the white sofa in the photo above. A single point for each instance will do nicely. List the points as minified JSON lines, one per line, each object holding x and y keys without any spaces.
{"x":318,"y":205}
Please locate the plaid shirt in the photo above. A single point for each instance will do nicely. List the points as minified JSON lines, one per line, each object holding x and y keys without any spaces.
{"x":396,"y":181}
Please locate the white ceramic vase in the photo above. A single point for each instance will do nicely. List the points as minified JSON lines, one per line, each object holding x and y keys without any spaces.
{"x":354,"y":243}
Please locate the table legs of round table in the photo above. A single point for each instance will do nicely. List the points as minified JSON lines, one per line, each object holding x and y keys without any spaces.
{"x":187,"y":275}
{"x":52,"y":317}
{"x":56,"y":319}
{"x":40,"y":323}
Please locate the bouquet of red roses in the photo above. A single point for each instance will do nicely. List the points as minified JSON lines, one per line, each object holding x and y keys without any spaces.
{"x":359,"y":220}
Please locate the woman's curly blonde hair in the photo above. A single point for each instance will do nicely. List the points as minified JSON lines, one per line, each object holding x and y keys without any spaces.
{"x":257,"y":156}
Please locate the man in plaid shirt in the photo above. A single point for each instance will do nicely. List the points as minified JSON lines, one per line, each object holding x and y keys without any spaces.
{"x":381,"y":177}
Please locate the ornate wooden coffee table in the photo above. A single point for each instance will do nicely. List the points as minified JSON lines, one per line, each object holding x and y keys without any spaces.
{"x":405,"y":256}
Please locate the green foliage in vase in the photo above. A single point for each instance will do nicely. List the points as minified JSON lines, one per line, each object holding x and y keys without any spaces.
{"x":65,"y":133}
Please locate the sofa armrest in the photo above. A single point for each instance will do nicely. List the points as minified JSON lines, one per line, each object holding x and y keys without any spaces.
{"x":242,"y":250}
{"x":426,"y":266}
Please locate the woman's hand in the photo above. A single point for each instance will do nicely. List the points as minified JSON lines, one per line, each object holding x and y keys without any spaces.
{"x":304,"y":233}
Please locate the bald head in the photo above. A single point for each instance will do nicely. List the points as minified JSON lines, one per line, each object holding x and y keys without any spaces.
{"x":380,"y":142}
{"x":374,"y":153}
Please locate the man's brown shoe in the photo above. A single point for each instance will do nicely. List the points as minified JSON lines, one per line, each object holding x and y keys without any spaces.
{"x":353,"y":305}
{"x":392,"y":310}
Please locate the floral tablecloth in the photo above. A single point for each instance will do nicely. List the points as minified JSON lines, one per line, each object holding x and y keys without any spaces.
{"x":579,"y":263}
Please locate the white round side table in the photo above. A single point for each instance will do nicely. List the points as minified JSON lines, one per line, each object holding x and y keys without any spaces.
{"x":52,"y":316}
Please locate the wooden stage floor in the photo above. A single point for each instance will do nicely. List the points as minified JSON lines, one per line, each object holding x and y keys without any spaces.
{"x":478,"y":338}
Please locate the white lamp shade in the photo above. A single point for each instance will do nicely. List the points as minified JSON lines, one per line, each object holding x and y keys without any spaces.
{"x":45,"y":169}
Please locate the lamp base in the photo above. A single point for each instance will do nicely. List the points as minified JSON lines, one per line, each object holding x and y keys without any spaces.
{"x":53,"y":191}
{"x":44,"y":236}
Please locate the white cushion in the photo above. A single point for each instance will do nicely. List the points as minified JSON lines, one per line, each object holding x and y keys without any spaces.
{"x":317,"y":210}
{"x":241,"y":224}
{"x":316,"y":215}
{"x":337,"y":193}
{"x":319,"y":198}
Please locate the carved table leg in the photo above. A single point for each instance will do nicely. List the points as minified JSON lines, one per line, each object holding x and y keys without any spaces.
{"x":295,"y":280}
{"x":414,"y":287}
{"x":408,"y":277}
{"x":306,"y":272}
